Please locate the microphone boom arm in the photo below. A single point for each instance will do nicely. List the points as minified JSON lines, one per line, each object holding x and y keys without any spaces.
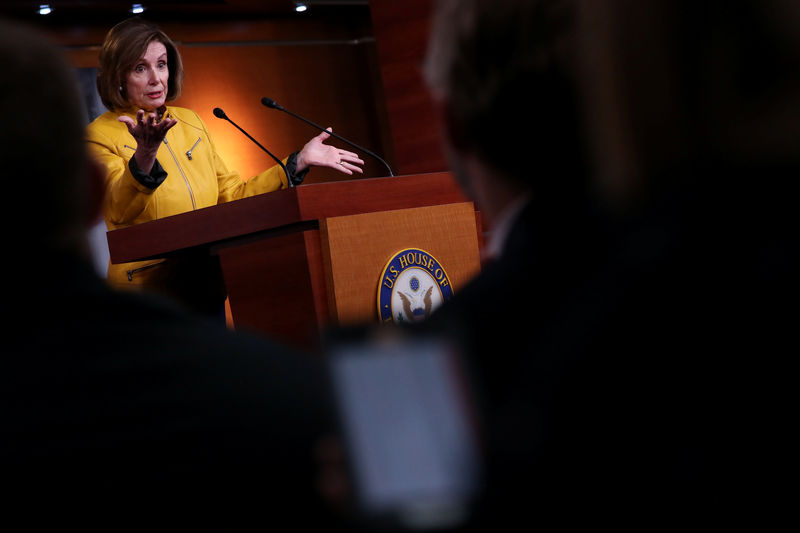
{"x":219,"y":113}
{"x":268,"y":102}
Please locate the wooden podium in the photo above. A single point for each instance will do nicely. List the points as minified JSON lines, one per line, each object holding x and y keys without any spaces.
{"x":297,"y":260}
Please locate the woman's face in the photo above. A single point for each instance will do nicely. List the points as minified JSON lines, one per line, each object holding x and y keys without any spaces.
{"x":147,"y":82}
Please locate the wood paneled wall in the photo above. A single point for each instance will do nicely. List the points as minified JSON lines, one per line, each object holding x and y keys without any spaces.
{"x":401,"y":31}
{"x":324,"y":70}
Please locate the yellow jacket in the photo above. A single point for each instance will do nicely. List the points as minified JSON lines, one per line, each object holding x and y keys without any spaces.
{"x":196,"y":178}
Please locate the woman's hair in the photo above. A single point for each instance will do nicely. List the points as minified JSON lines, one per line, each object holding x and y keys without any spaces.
{"x":124,"y":45}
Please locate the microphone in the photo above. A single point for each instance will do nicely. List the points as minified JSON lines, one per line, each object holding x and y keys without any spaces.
{"x":272,"y":104}
{"x":219,"y":113}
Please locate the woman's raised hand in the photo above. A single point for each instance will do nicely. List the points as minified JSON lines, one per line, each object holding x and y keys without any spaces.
{"x":317,"y":153}
{"x":149,"y":132}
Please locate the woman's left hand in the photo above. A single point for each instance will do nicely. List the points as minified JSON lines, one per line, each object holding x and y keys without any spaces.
{"x":317,"y":153}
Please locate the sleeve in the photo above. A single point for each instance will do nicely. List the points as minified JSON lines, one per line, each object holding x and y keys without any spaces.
{"x":291,"y":167}
{"x":232,"y":187}
{"x":126,"y":197}
{"x":151,"y":181}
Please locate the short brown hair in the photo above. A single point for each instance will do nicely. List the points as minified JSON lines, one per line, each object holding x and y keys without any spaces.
{"x":504,"y":64}
{"x":38,"y":82}
{"x":124,"y":45}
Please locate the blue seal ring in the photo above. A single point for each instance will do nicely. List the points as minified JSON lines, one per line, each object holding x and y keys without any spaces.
{"x":428,"y":268}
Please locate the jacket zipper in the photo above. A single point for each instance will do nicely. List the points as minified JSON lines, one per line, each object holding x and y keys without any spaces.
{"x":133,"y":271}
{"x":186,"y":181}
{"x":190,"y":150}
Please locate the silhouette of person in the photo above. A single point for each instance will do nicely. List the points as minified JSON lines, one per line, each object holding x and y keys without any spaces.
{"x":639,"y":239}
{"x":120,"y":410}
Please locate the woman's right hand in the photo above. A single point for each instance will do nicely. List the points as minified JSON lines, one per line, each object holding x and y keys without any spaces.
{"x":149,"y":133}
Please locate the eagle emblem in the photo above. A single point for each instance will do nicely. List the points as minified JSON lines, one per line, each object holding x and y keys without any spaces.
{"x":412,"y":285}
{"x":412,"y":306}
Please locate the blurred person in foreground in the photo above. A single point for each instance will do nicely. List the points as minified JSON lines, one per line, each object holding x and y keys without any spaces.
{"x":637,"y":247}
{"x":160,"y":160}
{"x":120,"y":410}
{"x":503,"y":78}
{"x":691,"y":109}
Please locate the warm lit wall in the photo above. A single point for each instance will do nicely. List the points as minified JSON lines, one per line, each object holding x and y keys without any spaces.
{"x":326,"y":71}
{"x":401,"y":30}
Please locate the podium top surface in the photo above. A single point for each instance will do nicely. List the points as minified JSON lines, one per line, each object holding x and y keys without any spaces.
{"x":285,"y":208}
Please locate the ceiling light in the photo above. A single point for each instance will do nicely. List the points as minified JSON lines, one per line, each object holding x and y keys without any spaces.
{"x":300,"y":7}
{"x":137,"y":8}
{"x":45,"y":9}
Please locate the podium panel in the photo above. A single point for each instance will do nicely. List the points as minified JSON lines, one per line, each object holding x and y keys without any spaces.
{"x":356,"y":248}
{"x":297,"y":260}
{"x":276,"y":286}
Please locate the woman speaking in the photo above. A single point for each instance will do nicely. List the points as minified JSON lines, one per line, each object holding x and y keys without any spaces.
{"x":160,"y":160}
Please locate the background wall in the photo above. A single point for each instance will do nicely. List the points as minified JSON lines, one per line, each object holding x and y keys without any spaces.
{"x":330,"y":64}
{"x":325,"y":70}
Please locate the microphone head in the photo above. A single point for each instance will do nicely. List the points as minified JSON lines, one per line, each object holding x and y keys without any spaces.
{"x":219,"y":113}
{"x":269,"y":102}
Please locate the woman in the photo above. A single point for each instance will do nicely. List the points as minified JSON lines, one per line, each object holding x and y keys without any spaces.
{"x":160,"y":159}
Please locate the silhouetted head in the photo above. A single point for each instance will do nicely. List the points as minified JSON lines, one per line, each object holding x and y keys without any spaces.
{"x":503,"y":71}
{"x":52,"y":192}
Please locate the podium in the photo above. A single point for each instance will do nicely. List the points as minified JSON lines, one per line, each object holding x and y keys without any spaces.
{"x":298,"y":260}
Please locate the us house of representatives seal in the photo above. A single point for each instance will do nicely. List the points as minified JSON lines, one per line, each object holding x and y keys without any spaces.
{"x":413,"y":283}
